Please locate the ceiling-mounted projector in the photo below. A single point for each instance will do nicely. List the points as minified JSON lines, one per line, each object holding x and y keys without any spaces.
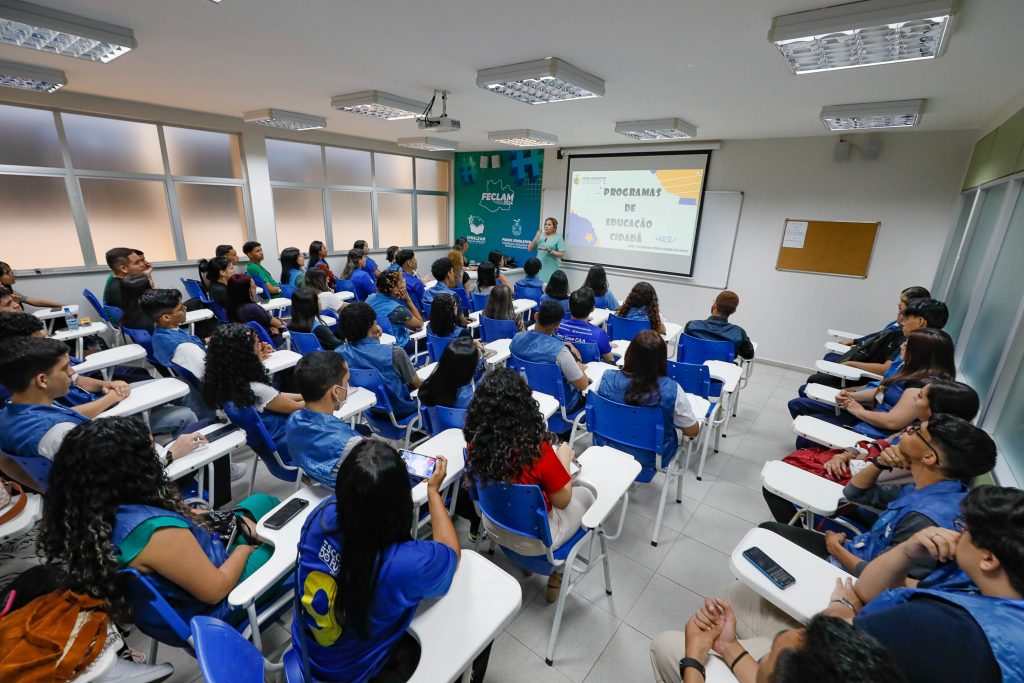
{"x":438,"y":124}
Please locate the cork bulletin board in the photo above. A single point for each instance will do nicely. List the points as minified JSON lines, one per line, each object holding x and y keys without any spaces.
{"x":827,"y":247}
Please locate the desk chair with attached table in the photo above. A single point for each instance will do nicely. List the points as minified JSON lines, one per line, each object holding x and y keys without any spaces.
{"x":274,"y":455}
{"x":392,"y":427}
{"x":696,"y":380}
{"x":547,"y":379}
{"x":437,"y":419}
{"x":625,"y":328}
{"x":492,"y":330}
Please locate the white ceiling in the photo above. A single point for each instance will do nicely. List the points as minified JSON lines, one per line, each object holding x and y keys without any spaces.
{"x":705,"y":61}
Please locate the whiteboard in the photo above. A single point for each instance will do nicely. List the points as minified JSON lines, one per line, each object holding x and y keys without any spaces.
{"x":719,"y":222}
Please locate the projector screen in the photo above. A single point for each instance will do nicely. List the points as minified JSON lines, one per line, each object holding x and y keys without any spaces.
{"x":635,"y":211}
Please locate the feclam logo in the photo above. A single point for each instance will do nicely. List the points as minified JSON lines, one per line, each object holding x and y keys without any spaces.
{"x":476,"y":225}
{"x":517,"y":229}
{"x":497,"y":197}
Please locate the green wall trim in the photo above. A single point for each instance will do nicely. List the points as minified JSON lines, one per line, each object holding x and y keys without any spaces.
{"x":998,"y":154}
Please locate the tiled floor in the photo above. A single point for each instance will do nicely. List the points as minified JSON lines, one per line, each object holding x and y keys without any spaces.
{"x":606,"y":638}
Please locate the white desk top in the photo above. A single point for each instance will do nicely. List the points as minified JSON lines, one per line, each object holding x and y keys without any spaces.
{"x":815,"y":577}
{"x":826,"y":433}
{"x":836,"y":347}
{"x":728,"y":374}
{"x":822,"y":393}
{"x":672,"y":332}
{"x":418,"y":334}
{"x":518,"y":305}
{"x":450,"y":444}
{"x":819,"y":495}
{"x":455,"y":629}
{"x":50,"y":314}
{"x":359,"y":399}
{"x":426,"y":371}
{"x":388,"y":339}
{"x":197,"y":315}
{"x":547,"y":403}
{"x":24,"y":521}
{"x":148,"y":395}
{"x":111,"y":357}
{"x":503,"y":351}
{"x":840,"y":334}
{"x":83,"y":331}
{"x":285,"y":541}
{"x":333,"y":300}
{"x":608,"y":473}
{"x":595,"y":369}
{"x":599,"y":317}
{"x":277,"y":304}
{"x":838,"y":369}
{"x":281,"y":360}
{"x":205,"y":454}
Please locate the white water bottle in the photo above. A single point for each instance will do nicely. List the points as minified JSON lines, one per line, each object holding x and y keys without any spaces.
{"x":70,"y":318}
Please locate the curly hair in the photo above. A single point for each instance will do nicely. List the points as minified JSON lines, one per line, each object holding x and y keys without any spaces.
{"x":231,"y":363}
{"x":643,"y":295}
{"x":444,"y":315}
{"x":101,"y":465}
{"x":504,"y":429}
{"x":388,"y":281}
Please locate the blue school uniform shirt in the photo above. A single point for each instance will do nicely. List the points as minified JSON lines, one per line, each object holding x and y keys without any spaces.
{"x":410,"y":572}
{"x":414,"y":286}
{"x":166,"y":340}
{"x":580,"y":331}
{"x":529,"y":288}
{"x":317,"y":442}
{"x":563,"y":302}
{"x":441,"y":288}
{"x":23,"y":425}
{"x":639,"y":313}
{"x":371,"y":267}
{"x":607,"y":300}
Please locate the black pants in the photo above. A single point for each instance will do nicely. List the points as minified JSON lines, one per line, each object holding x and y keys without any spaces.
{"x":782,"y":510}
{"x":406,"y":656}
{"x":811,"y":541}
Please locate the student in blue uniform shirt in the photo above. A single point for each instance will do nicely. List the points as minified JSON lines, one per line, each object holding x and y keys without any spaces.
{"x":577,"y":330}
{"x":530,"y":286}
{"x":357,"y":323}
{"x":597,"y":281}
{"x":539,"y":345}
{"x":913,"y":292}
{"x":363,"y":283}
{"x":451,"y":383}
{"x":718,"y":327}
{"x":361,"y":576}
{"x":390,"y":255}
{"x":369,"y":266}
{"x":395,"y":308}
{"x":447,"y":283}
{"x":557,"y":290}
{"x":317,"y":440}
{"x":292,"y":267}
{"x":642,"y":304}
{"x":406,"y":261}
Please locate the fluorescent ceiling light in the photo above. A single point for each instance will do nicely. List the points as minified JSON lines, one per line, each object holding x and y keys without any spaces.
{"x":656,"y":129}
{"x":429,"y":144}
{"x":56,"y":32}
{"x":26,"y":77}
{"x":379,"y":105}
{"x":540,"y":81}
{"x":279,"y":118}
{"x":902,"y":114}
{"x":522,"y":138}
{"x":864,"y":34}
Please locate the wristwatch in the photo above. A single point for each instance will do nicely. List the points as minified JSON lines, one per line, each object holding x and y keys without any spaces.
{"x":690,"y":663}
{"x":886,"y":468}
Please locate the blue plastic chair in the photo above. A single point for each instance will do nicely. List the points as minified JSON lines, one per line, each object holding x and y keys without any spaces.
{"x":110,"y":314}
{"x":287,"y":291}
{"x":492,"y":330}
{"x":589,"y":352}
{"x":639,"y":431}
{"x":696,"y":351}
{"x":693,"y":378}
{"x":625,"y":328}
{"x":218,"y":310}
{"x":521,"y":291}
{"x":547,"y":378}
{"x":520,"y":509}
{"x":305,"y":342}
{"x":261,"y":332}
{"x":274,"y":455}
{"x":436,"y":346}
{"x":436,"y":419}
{"x":393,"y":427}
{"x":344,"y":286}
{"x":479,"y":301}
{"x":224,"y":655}
{"x":31,"y":471}
{"x":194,"y":289}
{"x":144,"y":339}
{"x":293,"y":667}
{"x":330,"y":318}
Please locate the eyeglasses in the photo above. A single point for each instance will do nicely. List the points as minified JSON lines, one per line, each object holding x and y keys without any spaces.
{"x":960,"y":524}
{"x":916,"y":430}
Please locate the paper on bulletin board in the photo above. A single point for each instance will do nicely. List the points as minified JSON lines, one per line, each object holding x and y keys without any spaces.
{"x":796,"y":233}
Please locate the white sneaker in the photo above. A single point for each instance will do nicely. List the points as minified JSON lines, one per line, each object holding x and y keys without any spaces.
{"x":238,"y":470}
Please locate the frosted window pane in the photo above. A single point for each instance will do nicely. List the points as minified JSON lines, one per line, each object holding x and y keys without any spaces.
{"x":295,"y":162}
{"x":960,"y":297}
{"x":36,"y":222}
{"x":394,"y":219}
{"x":995,"y":317}
{"x":300,"y":218}
{"x":1009,"y":430}
{"x":351,"y":219}
{"x":393,"y":171}
{"x":946,"y":269}
{"x":99,"y":144}
{"x":129,"y":213}
{"x":431,"y":219}
{"x":431,"y":175}
{"x":211,"y":215}
{"x":202,"y":153}
{"x":29,"y":138}
{"x":347,"y":166}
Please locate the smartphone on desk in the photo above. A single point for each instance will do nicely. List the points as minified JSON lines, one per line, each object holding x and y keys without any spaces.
{"x":220,"y":433}
{"x":286,"y":513}
{"x":420,"y":467}
{"x":769,"y":567}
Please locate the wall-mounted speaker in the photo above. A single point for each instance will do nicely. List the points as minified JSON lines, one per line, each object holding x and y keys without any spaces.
{"x":484,"y":161}
{"x":841,"y":151}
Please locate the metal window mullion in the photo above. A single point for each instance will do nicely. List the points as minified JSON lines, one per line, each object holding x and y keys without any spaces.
{"x":950,"y":239}
{"x":994,"y":403}
{"x":959,"y":247}
{"x":119,"y":175}
{"x":965,"y":244}
{"x":374,"y":209}
{"x":75,"y":197}
{"x":177,"y":230}
{"x":415,"y":208}
{"x":207,"y":180}
{"x":328,"y":222}
{"x":250,"y":221}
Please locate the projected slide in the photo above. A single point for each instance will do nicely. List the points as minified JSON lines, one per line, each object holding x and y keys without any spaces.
{"x":644,"y":218}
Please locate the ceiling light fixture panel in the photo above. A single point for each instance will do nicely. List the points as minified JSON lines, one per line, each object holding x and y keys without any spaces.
{"x":49,"y":30}
{"x":379,"y":105}
{"x":899,"y":114}
{"x":429,"y":144}
{"x":541,"y":81}
{"x":864,"y":33}
{"x":523,"y":138}
{"x":657,"y":129}
{"x":26,"y":77}
{"x":279,"y":118}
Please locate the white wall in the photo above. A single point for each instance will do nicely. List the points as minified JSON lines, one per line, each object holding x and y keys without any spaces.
{"x":912,"y":189}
